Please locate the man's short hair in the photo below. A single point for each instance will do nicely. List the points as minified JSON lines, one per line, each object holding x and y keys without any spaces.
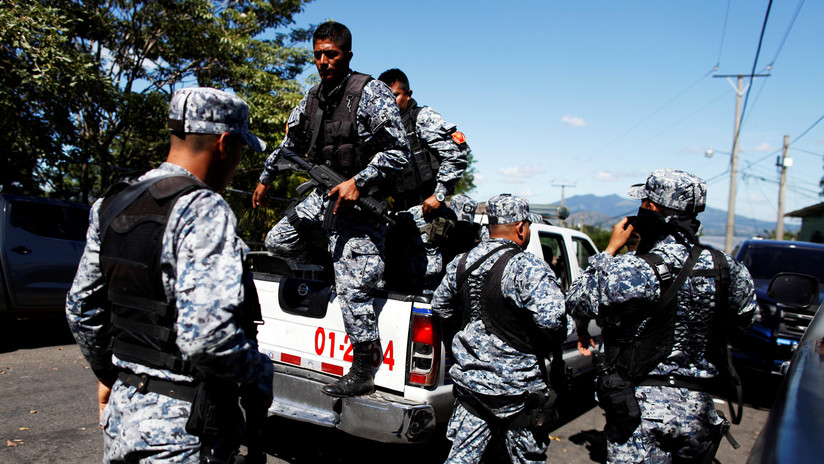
{"x":336,"y":32}
{"x":197,"y":142}
{"x":390,"y":76}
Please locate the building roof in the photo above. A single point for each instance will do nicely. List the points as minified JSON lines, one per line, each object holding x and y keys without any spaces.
{"x":808,"y":211}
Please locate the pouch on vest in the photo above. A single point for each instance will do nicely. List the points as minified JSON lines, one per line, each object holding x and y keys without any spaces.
{"x":616,"y":396}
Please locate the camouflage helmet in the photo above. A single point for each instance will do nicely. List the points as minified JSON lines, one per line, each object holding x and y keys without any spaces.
{"x":507,"y":209}
{"x":673,"y":189}
{"x":203,"y":110}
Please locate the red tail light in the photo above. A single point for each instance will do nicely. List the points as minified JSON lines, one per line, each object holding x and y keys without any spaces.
{"x":426,"y":349}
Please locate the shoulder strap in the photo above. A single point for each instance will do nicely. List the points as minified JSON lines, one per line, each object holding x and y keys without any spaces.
{"x":686,"y":271}
{"x":126,"y":197}
{"x":722,"y":292}
{"x":462,"y":276}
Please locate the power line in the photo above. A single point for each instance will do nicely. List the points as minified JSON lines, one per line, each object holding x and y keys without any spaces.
{"x":807,"y":151}
{"x":723,"y":35}
{"x":648,"y":116}
{"x":754,"y":64}
{"x":616,"y":158}
{"x":749,"y":164}
{"x":787,"y":33}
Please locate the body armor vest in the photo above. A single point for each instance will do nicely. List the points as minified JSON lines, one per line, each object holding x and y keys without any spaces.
{"x":331,"y":122}
{"x":511,"y":324}
{"x":132,"y":223}
{"x":417,"y":181}
{"x":636,"y":356}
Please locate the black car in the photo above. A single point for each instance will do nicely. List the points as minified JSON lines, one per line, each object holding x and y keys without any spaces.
{"x":770,"y":342}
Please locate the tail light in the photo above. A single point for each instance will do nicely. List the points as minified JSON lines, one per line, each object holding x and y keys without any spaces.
{"x":426,"y":349}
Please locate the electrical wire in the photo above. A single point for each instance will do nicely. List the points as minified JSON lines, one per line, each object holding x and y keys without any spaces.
{"x":723,"y":35}
{"x":749,"y":164}
{"x":787,"y":33}
{"x":647,"y":117}
{"x":616,"y":158}
{"x":752,"y":72}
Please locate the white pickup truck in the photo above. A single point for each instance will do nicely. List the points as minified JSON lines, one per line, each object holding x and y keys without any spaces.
{"x":303,"y":334}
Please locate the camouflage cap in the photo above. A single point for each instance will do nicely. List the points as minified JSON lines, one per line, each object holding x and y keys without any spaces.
{"x":506,"y":209}
{"x":203,"y":110}
{"x":673,"y":189}
{"x":464,"y":207}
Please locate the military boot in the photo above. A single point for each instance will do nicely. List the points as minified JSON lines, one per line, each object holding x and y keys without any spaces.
{"x":359,"y":380}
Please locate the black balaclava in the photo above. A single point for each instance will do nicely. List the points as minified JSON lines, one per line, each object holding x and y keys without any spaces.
{"x":653,"y":226}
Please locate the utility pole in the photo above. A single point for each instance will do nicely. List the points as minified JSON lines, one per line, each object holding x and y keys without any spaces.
{"x":784,"y":163}
{"x":563,"y":186}
{"x":739,"y":92}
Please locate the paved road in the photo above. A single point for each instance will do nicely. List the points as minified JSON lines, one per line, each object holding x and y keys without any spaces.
{"x":48,"y":408}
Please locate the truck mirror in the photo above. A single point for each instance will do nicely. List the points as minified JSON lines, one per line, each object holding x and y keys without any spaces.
{"x":791,"y":289}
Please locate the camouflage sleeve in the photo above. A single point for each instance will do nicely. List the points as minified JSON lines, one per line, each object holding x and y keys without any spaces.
{"x":443,"y":300}
{"x":294,"y":140}
{"x":741,"y":295}
{"x":381,"y":132}
{"x":209,"y":292}
{"x":609,"y":282}
{"x":87,"y":305}
{"x":437,"y":133}
{"x":529,"y":283}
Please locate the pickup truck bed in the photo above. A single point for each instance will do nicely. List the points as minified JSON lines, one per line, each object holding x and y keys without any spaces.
{"x":303,"y":334}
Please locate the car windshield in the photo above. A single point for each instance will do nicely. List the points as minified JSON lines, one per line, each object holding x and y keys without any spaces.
{"x":765,"y":263}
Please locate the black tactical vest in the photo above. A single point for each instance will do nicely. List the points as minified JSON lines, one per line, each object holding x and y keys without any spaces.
{"x":132,"y":222}
{"x":331,"y":124}
{"x":417,"y":181}
{"x":637,"y":355}
{"x":511,"y":324}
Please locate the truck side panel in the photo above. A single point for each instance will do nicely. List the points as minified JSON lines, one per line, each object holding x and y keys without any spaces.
{"x":321,"y":343}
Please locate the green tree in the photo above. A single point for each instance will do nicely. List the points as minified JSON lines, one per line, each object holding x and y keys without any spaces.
{"x":42,"y":78}
{"x":88,"y":82}
{"x":467,"y":182}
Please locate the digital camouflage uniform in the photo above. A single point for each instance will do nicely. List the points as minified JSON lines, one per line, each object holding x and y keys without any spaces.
{"x":202,"y":264}
{"x":199,"y":245}
{"x":438,"y":137}
{"x":674,"y":421}
{"x":356,"y":244}
{"x":483,"y":362}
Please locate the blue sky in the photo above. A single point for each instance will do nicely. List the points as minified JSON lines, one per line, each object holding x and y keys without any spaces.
{"x":596,"y":94}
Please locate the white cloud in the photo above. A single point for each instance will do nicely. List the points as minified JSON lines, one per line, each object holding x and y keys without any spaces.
{"x":519,"y":174}
{"x":604,"y":176}
{"x":527,"y":193}
{"x":478,"y":178}
{"x":574,"y":121}
{"x":764,"y":146}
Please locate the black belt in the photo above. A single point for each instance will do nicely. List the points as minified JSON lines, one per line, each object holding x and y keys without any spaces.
{"x":178,"y":390}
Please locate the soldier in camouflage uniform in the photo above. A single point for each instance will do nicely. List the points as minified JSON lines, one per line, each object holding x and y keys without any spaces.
{"x":371,"y":154}
{"x":199,"y":283}
{"x":438,"y":160}
{"x":676,"y":423}
{"x":508,"y":312}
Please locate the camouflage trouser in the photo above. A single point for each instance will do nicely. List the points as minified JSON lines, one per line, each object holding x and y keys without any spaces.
{"x":147,"y":428}
{"x":674,"y":421}
{"x":470,"y":436}
{"x":357,"y":258}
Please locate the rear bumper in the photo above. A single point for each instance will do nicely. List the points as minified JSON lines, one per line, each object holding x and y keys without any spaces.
{"x":381,"y":416}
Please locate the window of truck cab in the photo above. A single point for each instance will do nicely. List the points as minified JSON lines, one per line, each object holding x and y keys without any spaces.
{"x":554,"y":253}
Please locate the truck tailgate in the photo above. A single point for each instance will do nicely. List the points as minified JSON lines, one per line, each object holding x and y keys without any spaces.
{"x":319,"y":342}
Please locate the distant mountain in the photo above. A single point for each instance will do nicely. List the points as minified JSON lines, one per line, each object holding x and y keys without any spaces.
{"x":606,"y":211}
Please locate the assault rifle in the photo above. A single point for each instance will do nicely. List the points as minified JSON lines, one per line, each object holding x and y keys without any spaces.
{"x":326,"y":178}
